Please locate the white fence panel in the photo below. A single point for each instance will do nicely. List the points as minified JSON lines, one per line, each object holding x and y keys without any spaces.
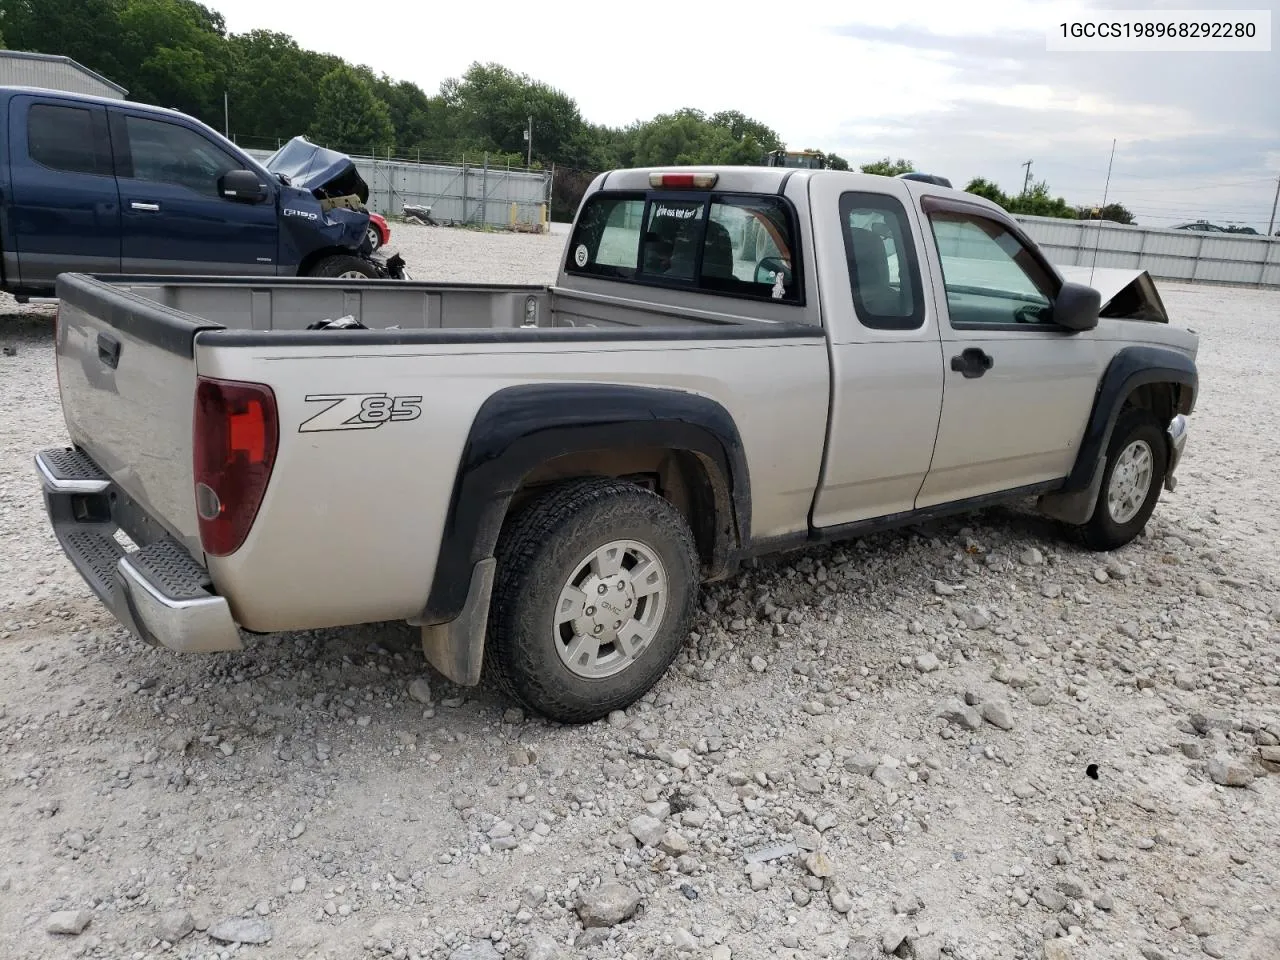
{"x":1165,"y":254}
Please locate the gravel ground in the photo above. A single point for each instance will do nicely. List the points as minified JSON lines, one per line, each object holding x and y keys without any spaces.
{"x":969,"y":739}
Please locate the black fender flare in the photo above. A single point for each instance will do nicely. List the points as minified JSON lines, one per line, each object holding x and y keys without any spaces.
{"x":1129,"y":369}
{"x":520,"y":428}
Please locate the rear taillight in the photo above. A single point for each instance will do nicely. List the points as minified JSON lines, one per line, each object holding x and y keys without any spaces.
{"x":57,"y":344}
{"x":235,"y":434}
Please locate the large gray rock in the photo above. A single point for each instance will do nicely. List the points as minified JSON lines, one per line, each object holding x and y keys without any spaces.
{"x":648,"y":830}
{"x":965,"y":717}
{"x":1229,"y":773}
{"x":68,"y":922}
{"x":476,"y":950}
{"x":239,"y":930}
{"x":608,"y":905}
{"x":175,"y":925}
{"x":997,"y":714}
{"x":542,"y":947}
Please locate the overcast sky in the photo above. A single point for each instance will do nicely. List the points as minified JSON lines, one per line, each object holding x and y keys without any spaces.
{"x":963,"y":90}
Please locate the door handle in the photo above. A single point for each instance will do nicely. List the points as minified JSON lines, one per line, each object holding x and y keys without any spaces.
{"x":137,"y":205}
{"x":109,"y":350}
{"x":973,"y":362}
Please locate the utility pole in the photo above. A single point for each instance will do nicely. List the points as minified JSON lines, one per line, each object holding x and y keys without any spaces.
{"x":226,"y":115}
{"x":1026,"y":181}
{"x":528,"y":135}
{"x":1271,"y":225}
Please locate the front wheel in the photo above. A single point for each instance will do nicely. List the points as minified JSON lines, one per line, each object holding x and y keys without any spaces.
{"x":1136,"y":462}
{"x":344,"y":267}
{"x":374,"y":237}
{"x":595,"y":589}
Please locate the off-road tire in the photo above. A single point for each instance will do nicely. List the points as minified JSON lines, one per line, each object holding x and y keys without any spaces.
{"x":339,"y":264}
{"x":537,"y":553}
{"x":1101,"y":531}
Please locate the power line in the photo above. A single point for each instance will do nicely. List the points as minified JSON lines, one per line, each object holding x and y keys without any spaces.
{"x":1200,"y":187}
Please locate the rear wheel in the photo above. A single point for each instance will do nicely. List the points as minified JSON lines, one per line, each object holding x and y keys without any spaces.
{"x":595,"y":588}
{"x":1136,"y":463}
{"x":344,"y":267}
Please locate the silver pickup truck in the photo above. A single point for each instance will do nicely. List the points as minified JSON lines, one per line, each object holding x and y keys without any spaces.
{"x":732,"y":361}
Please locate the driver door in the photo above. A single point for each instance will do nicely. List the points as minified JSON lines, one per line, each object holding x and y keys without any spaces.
{"x":1018,"y":389}
{"x":173,"y":218}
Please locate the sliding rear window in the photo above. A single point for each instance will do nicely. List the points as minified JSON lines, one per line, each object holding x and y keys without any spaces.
{"x":741,"y":245}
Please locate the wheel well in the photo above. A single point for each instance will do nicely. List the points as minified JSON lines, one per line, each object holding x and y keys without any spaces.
{"x":315,"y":256}
{"x":1161,"y":399}
{"x":690,"y":481}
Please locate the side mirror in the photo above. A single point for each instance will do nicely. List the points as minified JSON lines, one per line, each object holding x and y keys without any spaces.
{"x":1076,"y":307}
{"x":242,"y":186}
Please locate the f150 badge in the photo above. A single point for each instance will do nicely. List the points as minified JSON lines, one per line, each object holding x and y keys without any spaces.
{"x":359,"y":411}
{"x":305,"y":214}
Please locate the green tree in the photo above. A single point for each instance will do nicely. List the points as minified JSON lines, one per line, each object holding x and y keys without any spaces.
{"x":410,"y":109}
{"x":888,"y":167}
{"x":837,"y":162}
{"x":742,"y":127}
{"x":494,"y":105}
{"x":1115,"y":212}
{"x":273,"y":85}
{"x":85,"y":30}
{"x":349,"y":116}
{"x":176,"y":55}
{"x":986,"y":188}
{"x":1037,"y":202}
{"x":688,"y":136}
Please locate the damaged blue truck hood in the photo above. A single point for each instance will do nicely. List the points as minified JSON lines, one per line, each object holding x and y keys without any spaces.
{"x":311,"y":167}
{"x":313,"y":175}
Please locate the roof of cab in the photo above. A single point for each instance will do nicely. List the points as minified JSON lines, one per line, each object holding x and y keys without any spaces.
{"x":770,"y":180}
{"x":45,"y":92}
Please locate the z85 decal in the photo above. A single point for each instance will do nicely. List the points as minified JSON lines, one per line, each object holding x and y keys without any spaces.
{"x":359,"y":411}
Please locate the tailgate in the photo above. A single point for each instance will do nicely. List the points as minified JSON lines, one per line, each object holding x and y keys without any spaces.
{"x":127,"y":375}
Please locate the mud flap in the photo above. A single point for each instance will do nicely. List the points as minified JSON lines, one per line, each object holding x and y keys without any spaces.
{"x":1074,"y":508}
{"x":456,"y":648}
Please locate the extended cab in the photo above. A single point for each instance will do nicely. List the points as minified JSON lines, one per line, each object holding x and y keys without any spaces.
{"x":107,"y":186}
{"x":732,"y":361}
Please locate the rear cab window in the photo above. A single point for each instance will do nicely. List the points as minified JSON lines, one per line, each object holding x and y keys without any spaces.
{"x":63,"y":138}
{"x":884,"y":277}
{"x":738,"y":245}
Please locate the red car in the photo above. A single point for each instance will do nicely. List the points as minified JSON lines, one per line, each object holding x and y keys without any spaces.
{"x":379,"y":232}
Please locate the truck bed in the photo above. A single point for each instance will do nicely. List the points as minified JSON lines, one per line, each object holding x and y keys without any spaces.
{"x":293,"y":304}
{"x":133,"y":352}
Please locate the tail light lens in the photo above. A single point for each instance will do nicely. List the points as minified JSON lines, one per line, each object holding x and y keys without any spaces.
{"x":235,"y":432}
{"x":57,"y":344}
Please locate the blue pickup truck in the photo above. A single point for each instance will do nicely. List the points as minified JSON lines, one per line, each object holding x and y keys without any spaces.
{"x":92,"y":185}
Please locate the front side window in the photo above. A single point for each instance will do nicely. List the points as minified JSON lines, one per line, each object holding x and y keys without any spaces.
{"x":61,"y":138}
{"x":883,"y":274}
{"x":990,"y":277}
{"x":168,"y":153}
{"x":741,"y":246}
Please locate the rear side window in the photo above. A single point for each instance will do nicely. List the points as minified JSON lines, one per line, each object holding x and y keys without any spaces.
{"x":883,"y":273}
{"x":62,"y":138}
{"x":743,"y":246}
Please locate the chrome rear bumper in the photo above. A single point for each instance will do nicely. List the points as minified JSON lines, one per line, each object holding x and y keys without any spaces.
{"x":159,"y":591}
